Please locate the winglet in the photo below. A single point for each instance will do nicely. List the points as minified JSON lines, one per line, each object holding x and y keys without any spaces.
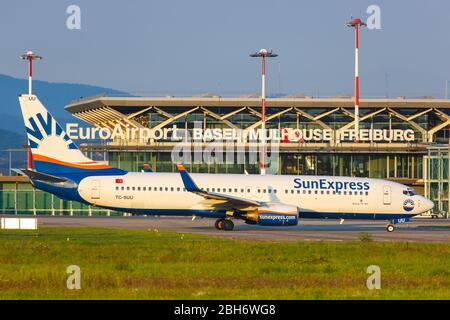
{"x":189,"y":184}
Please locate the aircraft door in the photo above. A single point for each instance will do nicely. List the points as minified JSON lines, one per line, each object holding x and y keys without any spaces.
{"x":95,"y":189}
{"x":386,"y":195}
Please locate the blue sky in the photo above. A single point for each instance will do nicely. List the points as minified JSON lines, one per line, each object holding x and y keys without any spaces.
{"x":189,"y":47}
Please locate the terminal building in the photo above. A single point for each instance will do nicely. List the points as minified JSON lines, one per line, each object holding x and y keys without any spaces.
{"x":404,"y":140}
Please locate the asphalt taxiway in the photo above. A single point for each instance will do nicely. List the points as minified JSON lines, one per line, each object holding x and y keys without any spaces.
{"x":418,"y":230}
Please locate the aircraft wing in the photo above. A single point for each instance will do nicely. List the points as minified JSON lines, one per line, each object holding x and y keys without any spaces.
{"x":226,"y":200}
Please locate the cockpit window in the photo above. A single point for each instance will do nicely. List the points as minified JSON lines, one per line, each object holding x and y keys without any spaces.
{"x":409,"y":192}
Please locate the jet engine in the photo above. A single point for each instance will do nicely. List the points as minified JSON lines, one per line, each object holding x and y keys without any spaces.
{"x":275,"y":214}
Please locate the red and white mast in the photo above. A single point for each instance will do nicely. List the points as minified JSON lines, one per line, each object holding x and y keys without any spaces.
{"x":30,"y":56}
{"x":263,"y":53}
{"x":356,"y":23}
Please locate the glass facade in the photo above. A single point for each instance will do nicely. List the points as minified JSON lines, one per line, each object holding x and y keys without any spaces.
{"x":438,"y":178}
{"x":334,"y":164}
{"x":20,"y":197}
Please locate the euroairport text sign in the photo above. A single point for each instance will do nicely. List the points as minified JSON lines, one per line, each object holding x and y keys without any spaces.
{"x":286,"y":135}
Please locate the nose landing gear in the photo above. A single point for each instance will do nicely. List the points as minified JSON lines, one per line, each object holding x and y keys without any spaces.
{"x":224,"y":224}
{"x":390,"y":227}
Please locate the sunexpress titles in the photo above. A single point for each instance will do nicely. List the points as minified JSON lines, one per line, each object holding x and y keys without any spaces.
{"x":325,"y":184}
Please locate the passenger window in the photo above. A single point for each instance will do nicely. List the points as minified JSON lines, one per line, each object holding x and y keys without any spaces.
{"x":304,"y":191}
{"x":171,"y":188}
{"x":367,"y":193}
{"x":248,"y":190}
{"x":350,"y":193}
{"x":298,"y":191}
{"x":235,"y":190}
{"x":259,"y":190}
{"x":292,"y":191}
{"x":128,"y":188}
{"x":309,"y":191}
{"x":139,"y":188}
{"x":242,"y":190}
{"x":122,"y":188}
{"x":178,"y":189}
{"x":328,"y":191}
{"x":285,"y":191}
{"x":274,"y":190}
{"x":167,"y":189}
{"x":213,"y":189}
{"x":231,"y":190}
{"x":269,"y":191}
{"x":160,"y":188}
{"x":345,"y":193}
{"x":264,"y":190}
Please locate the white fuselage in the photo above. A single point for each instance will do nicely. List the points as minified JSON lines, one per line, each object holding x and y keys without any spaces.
{"x":153,"y":193}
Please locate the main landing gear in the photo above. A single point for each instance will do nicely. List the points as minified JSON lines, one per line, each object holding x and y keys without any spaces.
{"x":224,"y":224}
{"x":390,"y":228}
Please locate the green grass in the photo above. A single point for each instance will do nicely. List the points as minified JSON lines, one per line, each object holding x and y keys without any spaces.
{"x":144,"y":264}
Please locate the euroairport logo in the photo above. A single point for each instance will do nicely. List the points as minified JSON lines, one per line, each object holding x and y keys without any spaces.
{"x":199,"y":134}
{"x":201,"y":145}
{"x":408,"y":205}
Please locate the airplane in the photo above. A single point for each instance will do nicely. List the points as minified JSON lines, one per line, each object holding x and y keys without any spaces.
{"x":60,"y":168}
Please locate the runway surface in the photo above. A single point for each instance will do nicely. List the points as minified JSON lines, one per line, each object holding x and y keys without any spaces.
{"x":418,"y":230}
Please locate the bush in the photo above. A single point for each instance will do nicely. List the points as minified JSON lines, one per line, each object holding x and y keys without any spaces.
{"x":365,"y":237}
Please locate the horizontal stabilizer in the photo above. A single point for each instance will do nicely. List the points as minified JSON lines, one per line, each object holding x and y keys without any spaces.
{"x":35,"y":175}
